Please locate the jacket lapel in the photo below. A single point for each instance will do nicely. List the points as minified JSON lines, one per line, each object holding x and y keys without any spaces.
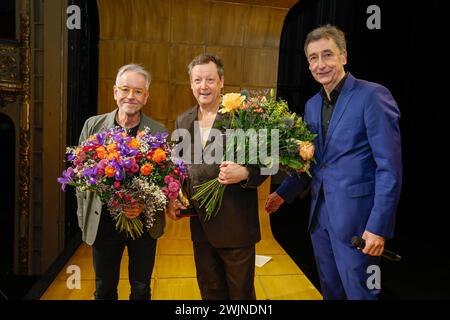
{"x":341,"y":106}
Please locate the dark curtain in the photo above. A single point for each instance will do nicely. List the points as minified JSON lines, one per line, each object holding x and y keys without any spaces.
{"x":82,"y":89}
{"x":7,"y":196}
{"x":407,"y":56}
{"x":8,"y":19}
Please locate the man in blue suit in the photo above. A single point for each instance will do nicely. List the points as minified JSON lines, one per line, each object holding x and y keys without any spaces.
{"x":357,"y":176}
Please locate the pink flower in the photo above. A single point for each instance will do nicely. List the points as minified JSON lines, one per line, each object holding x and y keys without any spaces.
{"x":174,"y":186}
{"x":117,"y":185}
{"x":168,"y":179}
{"x":165,"y":191}
{"x":102,"y":164}
{"x":173,"y":195}
{"x":135,"y":168}
{"x":127,"y":197}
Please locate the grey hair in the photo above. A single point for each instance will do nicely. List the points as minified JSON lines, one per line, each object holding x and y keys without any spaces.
{"x":327,"y":32}
{"x":206,"y":58}
{"x":135,"y":68}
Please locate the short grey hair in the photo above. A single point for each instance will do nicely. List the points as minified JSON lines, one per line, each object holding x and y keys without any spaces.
{"x":206,"y":58}
{"x":135,"y":68}
{"x":327,"y":32}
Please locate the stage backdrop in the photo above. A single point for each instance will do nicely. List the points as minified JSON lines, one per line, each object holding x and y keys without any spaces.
{"x":164,"y":36}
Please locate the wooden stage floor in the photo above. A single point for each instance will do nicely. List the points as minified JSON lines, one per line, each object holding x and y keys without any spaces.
{"x":174,"y":275}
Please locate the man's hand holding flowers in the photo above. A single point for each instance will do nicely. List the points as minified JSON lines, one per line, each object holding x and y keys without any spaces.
{"x":231,"y":172}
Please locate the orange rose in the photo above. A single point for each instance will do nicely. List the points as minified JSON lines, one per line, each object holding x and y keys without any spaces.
{"x":112,"y":147}
{"x":159,"y":155}
{"x":112,"y":155}
{"x":146,"y":169}
{"x":101,"y":152}
{"x":134,"y":143}
{"x":306,"y":150}
{"x":109,"y":171}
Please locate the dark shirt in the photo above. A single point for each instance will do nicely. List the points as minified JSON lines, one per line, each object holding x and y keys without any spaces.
{"x":329,"y":104}
{"x":130,"y":131}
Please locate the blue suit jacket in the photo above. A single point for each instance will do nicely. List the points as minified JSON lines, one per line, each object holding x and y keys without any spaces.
{"x":359,"y":164}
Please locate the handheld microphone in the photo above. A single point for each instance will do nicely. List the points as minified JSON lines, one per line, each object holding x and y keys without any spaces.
{"x":360,"y":243}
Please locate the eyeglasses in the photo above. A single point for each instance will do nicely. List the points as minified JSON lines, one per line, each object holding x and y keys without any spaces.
{"x":137,"y":92}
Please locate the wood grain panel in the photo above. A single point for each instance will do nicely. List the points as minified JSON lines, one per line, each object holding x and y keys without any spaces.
{"x":106,"y":102}
{"x":264,"y":27}
{"x":260,"y":67}
{"x":158,"y":101}
{"x":189,"y":21}
{"x":115,"y":19}
{"x":153,"y":56}
{"x":229,"y":89}
{"x":181,"y":99}
{"x":149,"y":20}
{"x":180,"y":57}
{"x":232,"y":58}
{"x":227,"y":24}
{"x":111,"y":57}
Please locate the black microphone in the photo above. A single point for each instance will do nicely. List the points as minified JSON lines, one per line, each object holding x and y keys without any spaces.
{"x":360,"y":243}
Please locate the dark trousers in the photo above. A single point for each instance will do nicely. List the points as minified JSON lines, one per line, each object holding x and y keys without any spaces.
{"x":107,"y":253}
{"x":343,"y":270}
{"x":225,"y":273}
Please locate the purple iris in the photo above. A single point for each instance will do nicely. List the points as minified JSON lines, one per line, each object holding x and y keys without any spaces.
{"x":118,"y":174}
{"x":70,"y":157}
{"x":128,"y":163}
{"x":66,"y":178}
{"x":181,"y":166}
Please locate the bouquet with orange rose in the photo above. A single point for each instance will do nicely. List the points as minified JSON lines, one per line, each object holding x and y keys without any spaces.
{"x":261,"y":114}
{"x":126,"y":171}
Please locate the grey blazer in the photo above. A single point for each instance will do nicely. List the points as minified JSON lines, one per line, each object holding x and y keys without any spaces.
{"x":89,"y":204}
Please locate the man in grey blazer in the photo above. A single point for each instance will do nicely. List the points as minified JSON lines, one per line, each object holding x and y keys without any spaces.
{"x":224,"y":246}
{"x":98,"y":228}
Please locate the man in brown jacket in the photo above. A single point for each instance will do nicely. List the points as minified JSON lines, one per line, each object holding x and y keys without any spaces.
{"x":224,"y":246}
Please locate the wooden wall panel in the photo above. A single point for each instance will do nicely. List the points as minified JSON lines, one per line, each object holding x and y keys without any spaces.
{"x":111,"y":58}
{"x":115,"y":19}
{"x":260,"y":67}
{"x":149,"y":20}
{"x":181,"y":98}
{"x":264,"y":27}
{"x":232,"y":58}
{"x":106,"y":100}
{"x":164,"y":36}
{"x":180,"y":56}
{"x":227,"y":24}
{"x":153,"y":56}
{"x":189,"y":21}
{"x":158,"y":101}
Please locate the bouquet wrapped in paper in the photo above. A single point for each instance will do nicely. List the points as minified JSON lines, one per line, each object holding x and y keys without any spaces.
{"x":262,"y":124}
{"x":126,"y":171}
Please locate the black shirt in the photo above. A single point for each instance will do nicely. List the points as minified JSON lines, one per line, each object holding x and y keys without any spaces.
{"x":130,"y":131}
{"x":329,"y":104}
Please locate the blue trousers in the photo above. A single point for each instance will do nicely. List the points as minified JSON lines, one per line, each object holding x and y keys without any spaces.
{"x":107,"y":253}
{"x":343,"y":270}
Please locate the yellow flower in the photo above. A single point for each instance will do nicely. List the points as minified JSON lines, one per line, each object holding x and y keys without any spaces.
{"x":306,"y":150}
{"x":231,"y":102}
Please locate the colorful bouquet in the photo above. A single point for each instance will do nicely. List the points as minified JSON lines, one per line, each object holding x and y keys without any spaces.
{"x":126,"y":171}
{"x":262,"y":114}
